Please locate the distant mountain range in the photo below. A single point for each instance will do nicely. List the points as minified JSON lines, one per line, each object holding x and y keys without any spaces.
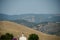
{"x":30,"y":19}
{"x":36,"y":18}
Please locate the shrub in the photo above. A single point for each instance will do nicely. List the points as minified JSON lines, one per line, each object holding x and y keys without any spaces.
{"x":33,"y":37}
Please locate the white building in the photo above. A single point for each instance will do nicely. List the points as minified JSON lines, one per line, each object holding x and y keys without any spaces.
{"x":22,"y":37}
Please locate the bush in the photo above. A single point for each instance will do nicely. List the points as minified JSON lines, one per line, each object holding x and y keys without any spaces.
{"x":7,"y":36}
{"x":33,"y":37}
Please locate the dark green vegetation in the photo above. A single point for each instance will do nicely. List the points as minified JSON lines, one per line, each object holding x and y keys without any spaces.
{"x":33,"y":37}
{"x":7,"y":36}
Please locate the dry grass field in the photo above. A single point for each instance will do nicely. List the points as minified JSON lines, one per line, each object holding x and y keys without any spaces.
{"x":17,"y":29}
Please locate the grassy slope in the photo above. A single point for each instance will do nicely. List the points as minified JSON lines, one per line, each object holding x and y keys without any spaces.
{"x":17,"y":29}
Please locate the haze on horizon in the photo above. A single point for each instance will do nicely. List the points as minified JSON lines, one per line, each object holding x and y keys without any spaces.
{"x":14,"y":7}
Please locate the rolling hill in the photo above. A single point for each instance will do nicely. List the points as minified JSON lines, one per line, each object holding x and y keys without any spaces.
{"x":17,"y":29}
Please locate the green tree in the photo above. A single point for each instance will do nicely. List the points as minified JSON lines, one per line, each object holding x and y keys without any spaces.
{"x":33,"y":37}
{"x":2,"y":37}
{"x":7,"y":36}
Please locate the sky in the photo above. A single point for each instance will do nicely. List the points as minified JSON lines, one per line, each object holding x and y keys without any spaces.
{"x":16,"y":7}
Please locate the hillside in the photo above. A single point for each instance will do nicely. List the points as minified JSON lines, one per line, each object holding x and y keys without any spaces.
{"x":24,"y":22}
{"x":52,"y":28}
{"x":17,"y":29}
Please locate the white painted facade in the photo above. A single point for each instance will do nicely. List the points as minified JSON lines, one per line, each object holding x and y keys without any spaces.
{"x":22,"y":37}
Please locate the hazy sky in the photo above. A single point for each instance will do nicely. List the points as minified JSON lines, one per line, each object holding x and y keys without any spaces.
{"x":29,"y":6}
